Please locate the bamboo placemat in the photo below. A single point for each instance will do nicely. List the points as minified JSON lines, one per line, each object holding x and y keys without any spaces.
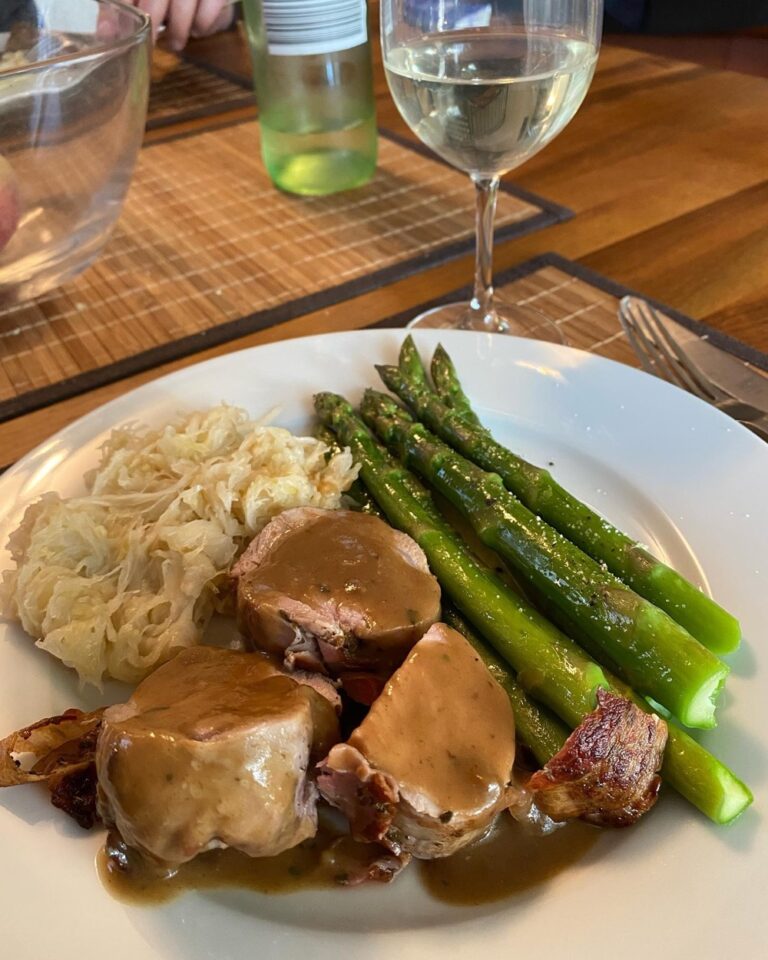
{"x":584,"y":305}
{"x":208,"y":250}
{"x":181,"y":90}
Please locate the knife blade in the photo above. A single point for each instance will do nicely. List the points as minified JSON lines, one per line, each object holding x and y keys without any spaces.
{"x":735,"y":376}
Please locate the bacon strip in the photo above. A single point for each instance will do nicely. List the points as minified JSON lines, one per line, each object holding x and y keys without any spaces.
{"x":607,"y":770}
{"x":60,"y":751}
{"x":365,"y":796}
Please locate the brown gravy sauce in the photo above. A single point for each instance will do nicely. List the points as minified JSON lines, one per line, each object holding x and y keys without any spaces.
{"x":508,"y":862}
{"x":460,"y":741}
{"x":127,"y":876}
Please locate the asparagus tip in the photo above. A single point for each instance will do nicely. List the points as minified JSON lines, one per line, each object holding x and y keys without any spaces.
{"x":407,"y":348}
{"x":440,"y":354}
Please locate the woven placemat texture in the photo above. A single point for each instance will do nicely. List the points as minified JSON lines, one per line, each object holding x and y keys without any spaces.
{"x":585,"y":314}
{"x":584,"y":306}
{"x":207,"y":250}
{"x":181,"y":91}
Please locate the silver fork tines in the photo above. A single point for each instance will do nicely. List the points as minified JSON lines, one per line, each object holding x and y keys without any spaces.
{"x":661,"y":354}
{"x":664,"y":356}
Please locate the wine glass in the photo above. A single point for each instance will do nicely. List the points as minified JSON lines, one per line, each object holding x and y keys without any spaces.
{"x":487,"y":84}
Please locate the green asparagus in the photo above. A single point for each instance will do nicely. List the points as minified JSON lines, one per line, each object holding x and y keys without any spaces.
{"x":411,"y":365}
{"x":329,"y":438}
{"x":358,"y":492}
{"x":449,"y":414}
{"x":447,"y":384}
{"x":656,"y":655}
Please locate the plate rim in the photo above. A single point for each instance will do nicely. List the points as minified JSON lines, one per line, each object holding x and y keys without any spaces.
{"x":558,"y":348}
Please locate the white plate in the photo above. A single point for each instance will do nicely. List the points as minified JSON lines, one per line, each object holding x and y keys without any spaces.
{"x":667,"y":468}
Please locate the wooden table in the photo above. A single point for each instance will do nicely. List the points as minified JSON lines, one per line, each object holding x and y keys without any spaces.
{"x":666,"y":169}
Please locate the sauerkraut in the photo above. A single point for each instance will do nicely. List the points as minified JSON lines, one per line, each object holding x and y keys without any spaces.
{"x":115,"y":582}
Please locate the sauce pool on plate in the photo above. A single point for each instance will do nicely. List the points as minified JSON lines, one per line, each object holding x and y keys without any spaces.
{"x":507,"y":862}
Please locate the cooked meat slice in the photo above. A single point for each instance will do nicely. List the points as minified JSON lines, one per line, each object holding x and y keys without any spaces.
{"x":607,"y":770}
{"x":429,"y":767}
{"x":214,"y":749}
{"x":336,"y":591}
{"x":321,"y":684}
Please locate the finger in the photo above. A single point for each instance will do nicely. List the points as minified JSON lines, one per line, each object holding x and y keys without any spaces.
{"x":108,"y":23}
{"x":212,"y":15}
{"x":180,"y":17}
{"x":156,"y":9}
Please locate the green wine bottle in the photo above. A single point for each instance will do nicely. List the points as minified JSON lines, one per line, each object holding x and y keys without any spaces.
{"x":314,"y":87}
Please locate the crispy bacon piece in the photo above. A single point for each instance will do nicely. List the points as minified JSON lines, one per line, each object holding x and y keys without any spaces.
{"x":73,"y":790}
{"x":60,"y":751}
{"x":607,"y":770}
{"x":367,"y":797}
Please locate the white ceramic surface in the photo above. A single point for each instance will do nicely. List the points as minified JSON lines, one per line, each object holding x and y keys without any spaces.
{"x":670,"y":470}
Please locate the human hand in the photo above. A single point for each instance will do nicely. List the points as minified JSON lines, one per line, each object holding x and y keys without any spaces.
{"x":187,"y":18}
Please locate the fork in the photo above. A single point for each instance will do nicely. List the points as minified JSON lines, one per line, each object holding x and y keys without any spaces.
{"x":661,"y":355}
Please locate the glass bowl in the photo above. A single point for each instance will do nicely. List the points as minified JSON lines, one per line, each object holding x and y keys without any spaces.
{"x":74,"y":79}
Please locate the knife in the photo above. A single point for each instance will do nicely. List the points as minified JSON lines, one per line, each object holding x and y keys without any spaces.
{"x":740,"y":379}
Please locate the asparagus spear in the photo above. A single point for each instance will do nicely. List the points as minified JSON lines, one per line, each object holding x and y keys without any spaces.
{"x":328,"y":437}
{"x":450,"y":415}
{"x":447,"y":385}
{"x":411,"y":365}
{"x":358,"y":491}
{"x":658,"y":657}
{"x":536,"y":727}
{"x":700,"y":777}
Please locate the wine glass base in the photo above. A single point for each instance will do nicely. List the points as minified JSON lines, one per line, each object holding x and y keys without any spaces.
{"x":514,"y":319}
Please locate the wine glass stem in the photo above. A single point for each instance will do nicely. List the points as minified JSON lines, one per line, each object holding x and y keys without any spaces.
{"x":483,"y":316}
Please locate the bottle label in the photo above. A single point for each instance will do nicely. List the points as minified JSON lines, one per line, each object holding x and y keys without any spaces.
{"x":299,"y":27}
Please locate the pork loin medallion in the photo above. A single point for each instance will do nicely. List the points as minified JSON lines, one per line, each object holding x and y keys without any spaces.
{"x":429,"y":768}
{"x":336,"y":591}
{"x":215,"y":748}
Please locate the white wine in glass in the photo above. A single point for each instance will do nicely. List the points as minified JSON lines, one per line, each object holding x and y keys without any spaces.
{"x":486,"y":86}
